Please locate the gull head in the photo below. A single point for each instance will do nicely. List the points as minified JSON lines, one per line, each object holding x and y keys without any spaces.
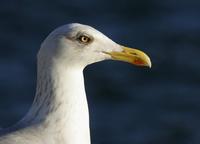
{"x":79,"y":45}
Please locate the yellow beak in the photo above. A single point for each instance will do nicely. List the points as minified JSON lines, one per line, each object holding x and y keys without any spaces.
{"x":132,"y":56}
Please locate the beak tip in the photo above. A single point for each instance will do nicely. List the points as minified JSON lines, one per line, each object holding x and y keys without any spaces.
{"x":149,"y":65}
{"x":148,"y":62}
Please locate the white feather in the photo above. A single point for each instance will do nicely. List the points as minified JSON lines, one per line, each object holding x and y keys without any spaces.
{"x":59,"y":114}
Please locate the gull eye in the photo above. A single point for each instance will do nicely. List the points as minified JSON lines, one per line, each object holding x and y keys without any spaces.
{"x":84,"y":39}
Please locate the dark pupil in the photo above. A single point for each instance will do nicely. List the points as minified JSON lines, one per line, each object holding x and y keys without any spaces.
{"x":84,"y":39}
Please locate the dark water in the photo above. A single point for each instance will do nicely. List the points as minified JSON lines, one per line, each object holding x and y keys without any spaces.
{"x":128,"y":105}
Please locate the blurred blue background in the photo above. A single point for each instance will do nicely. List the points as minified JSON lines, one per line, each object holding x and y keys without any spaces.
{"x":128,"y":105}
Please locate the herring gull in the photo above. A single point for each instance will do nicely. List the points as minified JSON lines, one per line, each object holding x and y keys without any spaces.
{"x":59,"y":113}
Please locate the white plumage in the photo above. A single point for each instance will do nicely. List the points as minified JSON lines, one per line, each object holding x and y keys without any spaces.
{"x":59,"y":113}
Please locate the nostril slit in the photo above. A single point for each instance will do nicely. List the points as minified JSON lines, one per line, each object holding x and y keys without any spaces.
{"x":133,"y":53}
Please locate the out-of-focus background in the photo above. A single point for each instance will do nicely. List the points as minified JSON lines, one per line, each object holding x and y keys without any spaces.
{"x":128,"y":105}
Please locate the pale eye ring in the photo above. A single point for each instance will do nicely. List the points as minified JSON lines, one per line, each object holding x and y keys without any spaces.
{"x":84,"y":39}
